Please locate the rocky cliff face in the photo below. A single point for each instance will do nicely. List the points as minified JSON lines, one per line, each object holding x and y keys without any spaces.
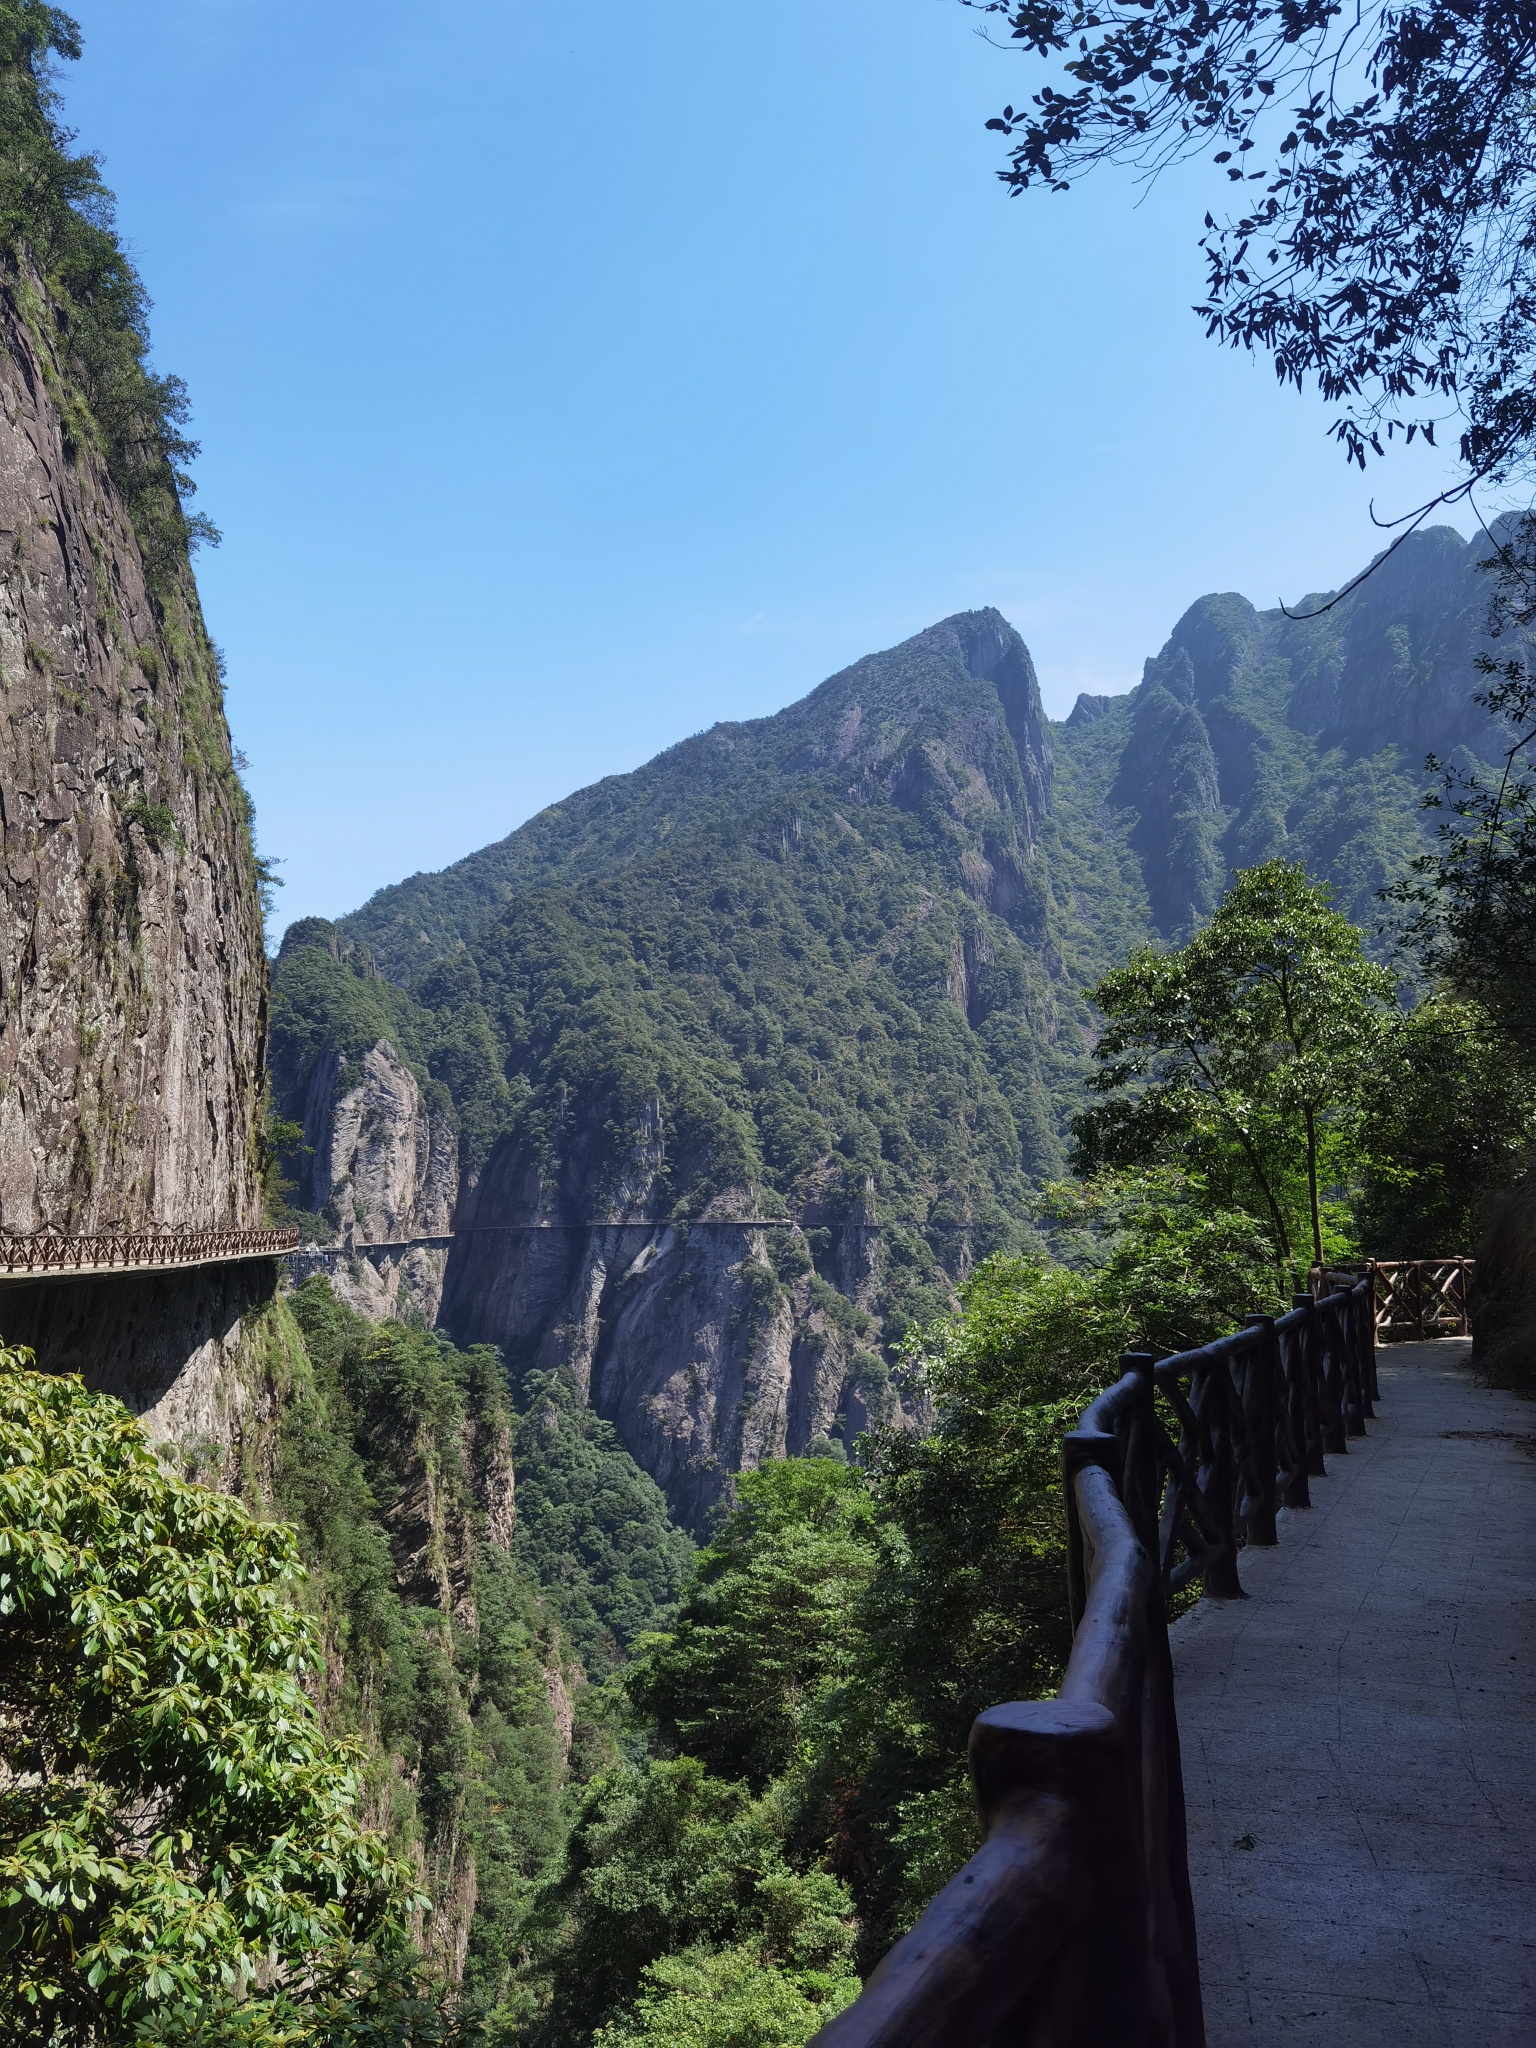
{"x":132,"y":980}
{"x":710,"y":1342}
{"x":132,"y":975}
{"x":381,"y":1166}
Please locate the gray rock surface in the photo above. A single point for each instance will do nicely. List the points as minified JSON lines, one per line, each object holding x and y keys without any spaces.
{"x":683,"y":1336}
{"x":175,"y":1348}
{"x":1356,"y":1738}
{"x":132,"y":978}
{"x":382,"y":1169}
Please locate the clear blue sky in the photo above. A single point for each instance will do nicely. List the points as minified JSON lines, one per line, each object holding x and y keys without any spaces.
{"x":571,"y":377}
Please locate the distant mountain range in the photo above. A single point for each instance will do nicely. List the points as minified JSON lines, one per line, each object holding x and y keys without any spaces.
{"x":721,"y":1072}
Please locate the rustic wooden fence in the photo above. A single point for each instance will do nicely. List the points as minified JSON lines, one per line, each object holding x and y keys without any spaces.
{"x":1417,"y":1298}
{"x":1072,"y":1926}
{"x":142,"y":1251}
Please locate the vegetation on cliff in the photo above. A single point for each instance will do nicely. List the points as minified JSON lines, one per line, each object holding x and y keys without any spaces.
{"x":57,"y":217}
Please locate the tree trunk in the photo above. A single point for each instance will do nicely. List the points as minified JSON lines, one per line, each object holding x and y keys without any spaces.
{"x":1317,"y":1220}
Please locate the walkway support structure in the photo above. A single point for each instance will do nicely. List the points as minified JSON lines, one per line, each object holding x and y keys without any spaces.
{"x":1072,"y":1926}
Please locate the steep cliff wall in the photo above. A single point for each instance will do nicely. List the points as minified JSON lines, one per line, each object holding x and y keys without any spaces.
{"x":132,"y":980}
{"x":132,"y":975}
{"x":380,"y":1165}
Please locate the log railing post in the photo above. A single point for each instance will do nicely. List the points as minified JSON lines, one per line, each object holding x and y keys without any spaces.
{"x":1291,"y":1394}
{"x":1330,"y":1380}
{"x":1311,"y":1380}
{"x":1253,"y":1362}
{"x":1363,"y":1329}
{"x":1340,"y":1312}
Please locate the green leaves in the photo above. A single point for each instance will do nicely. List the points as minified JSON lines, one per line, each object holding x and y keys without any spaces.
{"x":768,"y":1622}
{"x":174,"y":1815}
{"x":1242,"y":1054}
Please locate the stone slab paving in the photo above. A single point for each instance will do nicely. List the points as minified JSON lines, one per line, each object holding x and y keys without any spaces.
{"x":1359,"y":1739}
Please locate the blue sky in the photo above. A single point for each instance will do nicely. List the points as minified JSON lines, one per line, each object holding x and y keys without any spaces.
{"x":570,"y":378}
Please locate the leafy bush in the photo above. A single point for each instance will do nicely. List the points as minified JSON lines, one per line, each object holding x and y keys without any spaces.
{"x":174,"y":1825}
{"x":728,"y":1998}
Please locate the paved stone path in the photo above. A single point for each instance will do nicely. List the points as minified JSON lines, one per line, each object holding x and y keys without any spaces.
{"x":1359,"y":1739}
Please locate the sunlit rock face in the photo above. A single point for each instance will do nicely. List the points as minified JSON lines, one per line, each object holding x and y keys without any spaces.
{"x":132,"y":977}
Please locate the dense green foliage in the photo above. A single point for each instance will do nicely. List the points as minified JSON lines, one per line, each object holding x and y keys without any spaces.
{"x":592,"y":1528}
{"x":175,"y":1828}
{"x":393,"y":1445}
{"x":665,"y":1858}
{"x":768,"y":1622}
{"x":1448,"y":1116}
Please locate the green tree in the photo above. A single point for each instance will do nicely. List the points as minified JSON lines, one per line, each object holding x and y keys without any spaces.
{"x":175,"y":1829}
{"x":1448,"y":1118}
{"x":731,"y":1998}
{"x":767,"y":1623}
{"x":1472,"y":900}
{"x":1388,"y":254}
{"x":666,"y":1859}
{"x":1242,"y":1053}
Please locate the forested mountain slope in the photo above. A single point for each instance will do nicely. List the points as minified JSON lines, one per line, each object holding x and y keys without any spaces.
{"x":825,"y":971}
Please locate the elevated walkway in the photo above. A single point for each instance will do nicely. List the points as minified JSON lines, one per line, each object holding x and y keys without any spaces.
{"x":1358,"y":1739}
{"x":53,"y":1256}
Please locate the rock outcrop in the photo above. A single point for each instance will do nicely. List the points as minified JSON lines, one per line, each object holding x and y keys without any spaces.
{"x":707,"y":1342}
{"x":382,"y":1167}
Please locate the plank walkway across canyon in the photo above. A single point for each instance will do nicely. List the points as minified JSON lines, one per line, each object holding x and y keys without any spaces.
{"x":1358,"y":1739}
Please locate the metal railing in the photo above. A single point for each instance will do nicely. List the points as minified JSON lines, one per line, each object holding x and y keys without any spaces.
{"x":137,"y":1251}
{"x":1073,"y":1926}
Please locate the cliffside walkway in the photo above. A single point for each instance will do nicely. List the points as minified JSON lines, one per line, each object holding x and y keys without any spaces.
{"x":1357,"y":1739}
{"x":52,"y":1256}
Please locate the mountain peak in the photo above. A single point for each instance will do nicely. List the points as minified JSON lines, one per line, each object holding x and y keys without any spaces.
{"x":868,"y":733}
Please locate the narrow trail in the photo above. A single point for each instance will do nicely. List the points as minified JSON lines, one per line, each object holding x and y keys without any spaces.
{"x":1358,"y":1739}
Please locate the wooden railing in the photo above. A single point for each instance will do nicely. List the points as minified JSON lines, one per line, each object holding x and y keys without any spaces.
{"x":138,"y":1251}
{"x":1072,"y":1926}
{"x":1418,"y":1298}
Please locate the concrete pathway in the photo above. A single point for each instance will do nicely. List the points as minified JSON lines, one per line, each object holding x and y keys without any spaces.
{"x":1359,"y":1739}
